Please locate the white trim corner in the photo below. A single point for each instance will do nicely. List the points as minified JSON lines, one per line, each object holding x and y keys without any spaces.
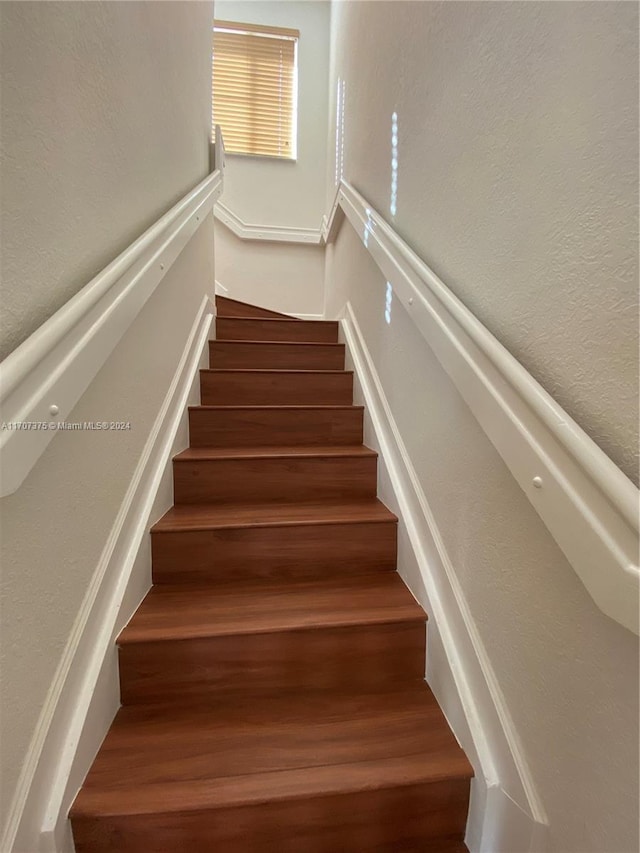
{"x":266,"y":233}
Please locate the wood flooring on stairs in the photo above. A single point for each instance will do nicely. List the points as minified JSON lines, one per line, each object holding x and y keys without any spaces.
{"x":272,"y":681}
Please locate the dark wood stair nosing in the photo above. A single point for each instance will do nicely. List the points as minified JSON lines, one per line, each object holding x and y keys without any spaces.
{"x":285,"y":628}
{"x":278,"y":407}
{"x":277,"y":370}
{"x":271,"y":452}
{"x":281,"y":344}
{"x":158,"y":531}
{"x":392,"y":518}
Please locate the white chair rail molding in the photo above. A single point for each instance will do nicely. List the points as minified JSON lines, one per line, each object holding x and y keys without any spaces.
{"x":588,"y":504}
{"x":43,"y":379}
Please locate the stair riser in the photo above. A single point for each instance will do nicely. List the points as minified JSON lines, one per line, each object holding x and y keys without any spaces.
{"x":420,"y":818}
{"x":226,"y":307}
{"x":274,"y":479}
{"x":231,"y":329}
{"x":257,"y":388}
{"x":280,"y":427}
{"x":230,"y":354}
{"x":296,"y":552}
{"x":367,"y":657}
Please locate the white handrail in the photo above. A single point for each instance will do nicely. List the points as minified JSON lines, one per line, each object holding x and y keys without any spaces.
{"x":43,"y":378}
{"x":588,"y":504}
{"x":18,"y":364}
{"x":605,"y":473}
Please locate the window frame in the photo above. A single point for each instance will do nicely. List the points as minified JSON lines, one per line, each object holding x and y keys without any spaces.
{"x":263,"y":31}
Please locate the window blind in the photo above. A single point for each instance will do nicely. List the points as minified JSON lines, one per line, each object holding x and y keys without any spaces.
{"x":254,"y":88}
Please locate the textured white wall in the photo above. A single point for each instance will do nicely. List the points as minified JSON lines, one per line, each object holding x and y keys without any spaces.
{"x":286,"y":278}
{"x":518,"y":184}
{"x":517,"y":177}
{"x":568,"y":673}
{"x":104,"y":124}
{"x":262,"y":191}
{"x":55,"y":526}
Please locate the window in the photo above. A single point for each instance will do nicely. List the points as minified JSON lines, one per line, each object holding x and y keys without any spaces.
{"x":255,"y":88}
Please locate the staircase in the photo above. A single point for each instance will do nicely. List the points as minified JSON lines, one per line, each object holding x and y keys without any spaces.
{"x":272,"y":680}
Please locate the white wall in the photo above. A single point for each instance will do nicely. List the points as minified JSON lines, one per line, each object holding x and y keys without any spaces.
{"x":104,"y":126}
{"x":568,"y":673}
{"x":518,"y":184}
{"x":518,"y":176}
{"x":106,"y":114}
{"x":262,"y":191}
{"x":286,"y":278}
{"x":56,"y":525}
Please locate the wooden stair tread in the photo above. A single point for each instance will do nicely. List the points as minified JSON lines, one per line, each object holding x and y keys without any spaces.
{"x":177,"y":612}
{"x":192,"y":454}
{"x":215,"y":516}
{"x":254,"y":749}
{"x":279,"y":785}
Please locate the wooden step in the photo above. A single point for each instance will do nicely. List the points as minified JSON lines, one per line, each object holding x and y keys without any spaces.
{"x":258,"y":354}
{"x":273,"y":677}
{"x":286,"y":474}
{"x":222,"y":543}
{"x":358,"y":633}
{"x":322,"y":772}
{"x":276,"y":387}
{"x":272,"y":329}
{"x":285,"y":812}
{"x":226,"y":307}
{"x":245,"y":426}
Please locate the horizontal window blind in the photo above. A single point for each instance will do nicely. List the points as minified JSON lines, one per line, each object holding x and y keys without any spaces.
{"x":254,"y":88}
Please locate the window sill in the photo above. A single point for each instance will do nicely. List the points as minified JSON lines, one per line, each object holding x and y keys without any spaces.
{"x":270,"y":157}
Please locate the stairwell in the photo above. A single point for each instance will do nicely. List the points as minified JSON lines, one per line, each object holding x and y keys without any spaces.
{"x":272,"y":681}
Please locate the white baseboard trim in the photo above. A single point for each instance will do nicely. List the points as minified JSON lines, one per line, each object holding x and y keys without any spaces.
{"x":221,"y":290}
{"x":266,"y":233}
{"x":505,"y":809}
{"x":84,"y":694}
